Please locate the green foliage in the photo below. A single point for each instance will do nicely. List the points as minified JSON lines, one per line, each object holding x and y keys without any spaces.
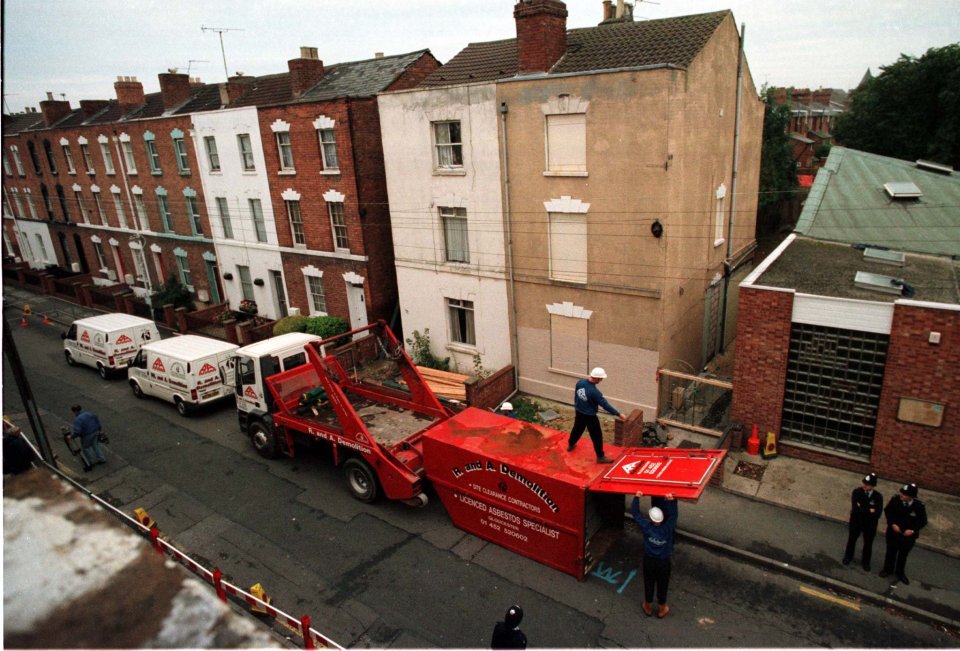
{"x":478,"y":369}
{"x":526,"y":410}
{"x":778,"y":171}
{"x":171,"y":292}
{"x":421,"y":354}
{"x":326,"y":327}
{"x":822,"y":151}
{"x":288,"y":324}
{"x":909,"y":111}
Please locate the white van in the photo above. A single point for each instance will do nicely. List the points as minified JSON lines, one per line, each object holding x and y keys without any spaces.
{"x":107,"y":342}
{"x":261,"y":360}
{"x":188,"y":371}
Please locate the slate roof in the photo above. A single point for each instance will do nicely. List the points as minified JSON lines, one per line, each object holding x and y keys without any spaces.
{"x":17,"y":122}
{"x":848,"y":203}
{"x":341,"y":80}
{"x":667,"y":41}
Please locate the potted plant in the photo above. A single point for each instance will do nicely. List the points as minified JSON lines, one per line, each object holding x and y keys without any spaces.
{"x":247,"y":306}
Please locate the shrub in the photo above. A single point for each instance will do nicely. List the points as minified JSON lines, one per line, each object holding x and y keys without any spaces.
{"x":421,"y":354}
{"x":526,"y":410}
{"x":171,"y":292}
{"x":326,"y":327}
{"x":287,"y":324}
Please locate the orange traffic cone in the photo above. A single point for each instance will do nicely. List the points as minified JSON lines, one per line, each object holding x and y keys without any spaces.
{"x":23,"y":321}
{"x":46,"y":321}
{"x":753,"y":443}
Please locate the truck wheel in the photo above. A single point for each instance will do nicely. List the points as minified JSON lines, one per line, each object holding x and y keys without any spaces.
{"x":70,"y":360}
{"x":361,"y":480}
{"x":103,"y":371}
{"x":263,"y":440}
{"x":182,"y":407}
{"x":137,"y":391}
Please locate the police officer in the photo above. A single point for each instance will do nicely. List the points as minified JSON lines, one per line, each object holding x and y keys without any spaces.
{"x":906,"y":516}
{"x":866,"y":505}
{"x":507,"y":634}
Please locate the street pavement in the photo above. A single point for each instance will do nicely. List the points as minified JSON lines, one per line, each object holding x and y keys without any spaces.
{"x":787,"y":515}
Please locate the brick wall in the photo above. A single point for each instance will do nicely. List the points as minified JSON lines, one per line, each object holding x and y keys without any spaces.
{"x":760,"y":368}
{"x":541,"y":34}
{"x":489,"y":392}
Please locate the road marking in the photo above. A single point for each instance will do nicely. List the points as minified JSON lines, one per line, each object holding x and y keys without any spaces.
{"x":830,"y":597}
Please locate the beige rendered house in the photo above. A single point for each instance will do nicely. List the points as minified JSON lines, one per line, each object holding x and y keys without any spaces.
{"x":622,"y":213}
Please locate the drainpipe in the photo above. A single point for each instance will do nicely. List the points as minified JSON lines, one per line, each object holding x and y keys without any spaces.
{"x":515,"y":348}
{"x":728,"y":263}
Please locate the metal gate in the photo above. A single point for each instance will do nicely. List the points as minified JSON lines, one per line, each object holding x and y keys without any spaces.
{"x":832,"y":392}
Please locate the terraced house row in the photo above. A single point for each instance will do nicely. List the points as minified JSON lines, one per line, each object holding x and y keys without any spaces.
{"x":559,"y":199}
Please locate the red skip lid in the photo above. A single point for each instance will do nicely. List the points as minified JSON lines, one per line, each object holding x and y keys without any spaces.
{"x":685,"y":473}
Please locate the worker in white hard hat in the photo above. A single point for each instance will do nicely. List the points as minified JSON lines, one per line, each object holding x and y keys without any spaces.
{"x":507,"y":409}
{"x":658,"y":529}
{"x":586,"y":399}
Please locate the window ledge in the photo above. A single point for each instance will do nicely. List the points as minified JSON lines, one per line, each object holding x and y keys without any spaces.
{"x":449,"y":172}
{"x":287,"y":172}
{"x":184,"y":172}
{"x":71,"y":173}
{"x":89,"y":172}
{"x":215,"y":173}
{"x":458,"y":347}
{"x":570,"y":173}
{"x":249,"y":172}
{"x":331,"y":172}
{"x":133,"y":173}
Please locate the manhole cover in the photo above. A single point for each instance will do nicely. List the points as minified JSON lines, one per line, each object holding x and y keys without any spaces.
{"x":749,"y":470}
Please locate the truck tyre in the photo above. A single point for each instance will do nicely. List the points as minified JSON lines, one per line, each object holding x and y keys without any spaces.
{"x":103,"y":371}
{"x":70,"y":360}
{"x":182,"y":407}
{"x":361,"y":480}
{"x":137,"y":391}
{"x":263,"y":440}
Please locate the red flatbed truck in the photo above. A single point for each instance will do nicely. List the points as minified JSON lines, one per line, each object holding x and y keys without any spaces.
{"x":504,"y":480}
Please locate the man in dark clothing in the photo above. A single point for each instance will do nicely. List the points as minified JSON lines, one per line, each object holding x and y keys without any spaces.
{"x":906,"y":516}
{"x":658,"y":532}
{"x":507,"y":634}
{"x":86,"y":427}
{"x":586,"y":399}
{"x":18,"y":456}
{"x":866,"y":505}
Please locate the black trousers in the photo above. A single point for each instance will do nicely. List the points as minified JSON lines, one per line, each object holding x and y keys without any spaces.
{"x":869,"y":531}
{"x":656,"y":577}
{"x":592,"y":425}
{"x":898,"y":546}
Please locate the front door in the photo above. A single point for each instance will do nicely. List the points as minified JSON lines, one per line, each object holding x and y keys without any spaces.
{"x":356,"y":301}
{"x":280,"y":292}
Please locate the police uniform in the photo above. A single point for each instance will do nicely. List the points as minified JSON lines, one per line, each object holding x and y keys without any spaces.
{"x":907,"y":513}
{"x":866,"y":505}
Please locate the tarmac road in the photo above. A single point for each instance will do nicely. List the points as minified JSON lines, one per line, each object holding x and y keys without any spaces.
{"x":387,"y":575}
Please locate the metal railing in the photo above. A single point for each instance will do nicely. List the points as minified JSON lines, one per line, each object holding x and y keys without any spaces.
{"x":699,"y":404}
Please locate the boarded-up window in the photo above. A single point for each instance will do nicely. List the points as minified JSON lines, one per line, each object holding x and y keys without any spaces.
{"x":568,"y":247}
{"x":567,"y":143}
{"x":568,"y":344}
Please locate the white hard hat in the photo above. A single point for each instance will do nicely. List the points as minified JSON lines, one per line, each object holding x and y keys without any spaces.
{"x":598,"y":373}
{"x":506,"y":407}
{"x":656,"y":515}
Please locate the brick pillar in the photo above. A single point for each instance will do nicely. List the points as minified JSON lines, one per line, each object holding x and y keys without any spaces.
{"x":243,"y":333}
{"x":169,"y":317}
{"x":629,"y":433}
{"x":118,"y":301}
{"x":181,"y":314}
{"x":86,"y":298}
{"x":230,"y":330}
{"x":128,"y":303}
{"x":46,"y":283}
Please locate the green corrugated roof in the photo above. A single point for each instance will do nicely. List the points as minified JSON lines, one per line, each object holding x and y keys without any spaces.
{"x":847,"y":203}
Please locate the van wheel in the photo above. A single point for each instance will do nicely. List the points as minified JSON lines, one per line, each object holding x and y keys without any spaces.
{"x":182,"y":407}
{"x":70,"y":360}
{"x":137,"y":391}
{"x":361,"y":480}
{"x":103,"y":371}
{"x":264,"y":440}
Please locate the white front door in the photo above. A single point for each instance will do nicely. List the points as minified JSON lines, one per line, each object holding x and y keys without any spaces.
{"x":356,"y":300}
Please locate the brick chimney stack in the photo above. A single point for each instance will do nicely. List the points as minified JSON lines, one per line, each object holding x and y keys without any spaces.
{"x":129,"y":93}
{"x":53,"y":110}
{"x":235,"y":88}
{"x":306,"y":71}
{"x":174,"y":88}
{"x":91,"y":107}
{"x":541,"y":34}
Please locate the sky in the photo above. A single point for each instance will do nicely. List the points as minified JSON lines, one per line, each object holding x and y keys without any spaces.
{"x":75,"y":51}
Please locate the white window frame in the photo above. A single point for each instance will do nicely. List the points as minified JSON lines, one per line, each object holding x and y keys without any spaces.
{"x":318,"y":300}
{"x":246,"y":283}
{"x":87,"y":157}
{"x":107,"y":155}
{"x":327,"y":139}
{"x":101,"y":256}
{"x":180,"y":151}
{"x":259,"y":224}
{"x":285,"y":151}
{"x":455,"y":308}
{"x":84,"y":212}
{"x":118,"y":206}
{"x":446,"y":150}
{"x":450,"y":217}
{"x":245,"y":147}
{"x":140,"y":210}
{"x":67,"y":155}
{"x":6,"y":166}
{"x":98,"y":202}
{"x":127,"y":148}
{"x":17,"y":161}
{"x":153,"y":156}
{"x":193,"y":211}
{"x":295,"y":217}
{"x":338,"y":226}
{"x":719,"y":217}
{"x":213,"y":156}
{"x":16,"y":200}
{"x":183,"y":267}
{"x":163,"y":205}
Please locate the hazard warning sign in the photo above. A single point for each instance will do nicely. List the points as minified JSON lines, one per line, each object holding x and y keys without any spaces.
{"x":158,"y":366}
{"x":124,"y":339}
{"x":250,"y":393}
{"x":206,"y":369}
{"x":85,"y":337}
{"x":670,"y":470}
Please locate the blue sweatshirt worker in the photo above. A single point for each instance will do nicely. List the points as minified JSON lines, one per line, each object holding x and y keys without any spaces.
{"x":86,"y":427}
{"x":586,"y":399}
{"x":658,"y":529}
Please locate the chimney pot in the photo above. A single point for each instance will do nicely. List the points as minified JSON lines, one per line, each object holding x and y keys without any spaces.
{"x":378,"y":55}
